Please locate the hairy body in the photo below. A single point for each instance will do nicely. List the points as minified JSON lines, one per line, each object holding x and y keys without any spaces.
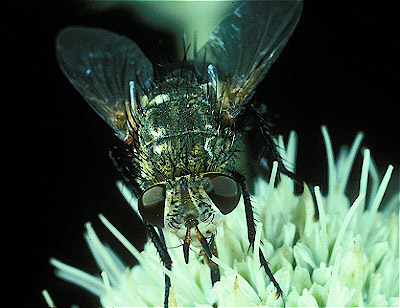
{"x":181,"y":140}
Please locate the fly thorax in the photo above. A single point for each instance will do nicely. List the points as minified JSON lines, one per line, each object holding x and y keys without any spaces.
{"x":179,"y":133}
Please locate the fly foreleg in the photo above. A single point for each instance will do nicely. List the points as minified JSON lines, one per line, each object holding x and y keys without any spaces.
{"x":214,"y":269}
{"x":271,"y":154}
{"x":159,"y":242}
{"x":251,"y":229}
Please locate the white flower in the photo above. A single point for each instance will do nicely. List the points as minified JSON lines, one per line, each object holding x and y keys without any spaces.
{"x":347,"y":258}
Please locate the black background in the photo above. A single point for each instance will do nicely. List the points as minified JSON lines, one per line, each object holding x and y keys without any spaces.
{"x":338,"y":69}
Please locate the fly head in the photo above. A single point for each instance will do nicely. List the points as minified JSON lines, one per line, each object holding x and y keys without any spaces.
{"x":191,"y":206}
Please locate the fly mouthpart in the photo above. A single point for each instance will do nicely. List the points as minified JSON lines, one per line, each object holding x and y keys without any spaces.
{"x":203,"y":241}
{"x":186,"y":244}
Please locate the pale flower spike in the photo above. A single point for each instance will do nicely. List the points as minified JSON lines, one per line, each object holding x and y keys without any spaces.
{"x":347,"y":258}
{"x":48,"y":299}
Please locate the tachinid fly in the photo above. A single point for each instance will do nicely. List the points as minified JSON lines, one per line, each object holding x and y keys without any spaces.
{"x":181,"y":130}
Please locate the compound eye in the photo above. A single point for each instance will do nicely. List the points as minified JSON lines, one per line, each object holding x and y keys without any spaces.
{"x":223,"y":191}
{"x":151,"y":205}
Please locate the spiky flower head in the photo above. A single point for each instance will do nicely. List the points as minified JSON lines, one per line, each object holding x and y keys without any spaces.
{"x":349,"y":257}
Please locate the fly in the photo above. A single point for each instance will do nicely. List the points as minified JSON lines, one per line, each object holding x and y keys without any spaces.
{"x":181,"y":130}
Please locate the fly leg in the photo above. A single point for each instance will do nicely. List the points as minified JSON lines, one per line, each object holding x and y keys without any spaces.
{"x":159,"y":242}
{"x":251,"y":230}
{"x":121,"y":159}
{"x":167,"y":263}
{"x":214,"y":269}
{"x":271,"y":154}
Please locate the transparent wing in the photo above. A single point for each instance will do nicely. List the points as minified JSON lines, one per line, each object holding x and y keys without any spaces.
{"x":245,"y":44}
{"x":100,"y":64}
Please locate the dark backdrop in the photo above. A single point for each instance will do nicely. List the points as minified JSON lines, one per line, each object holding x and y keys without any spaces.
{"x":338,"y":69}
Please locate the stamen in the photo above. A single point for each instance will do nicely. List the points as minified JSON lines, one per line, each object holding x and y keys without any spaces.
{"x":48,"y":299}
